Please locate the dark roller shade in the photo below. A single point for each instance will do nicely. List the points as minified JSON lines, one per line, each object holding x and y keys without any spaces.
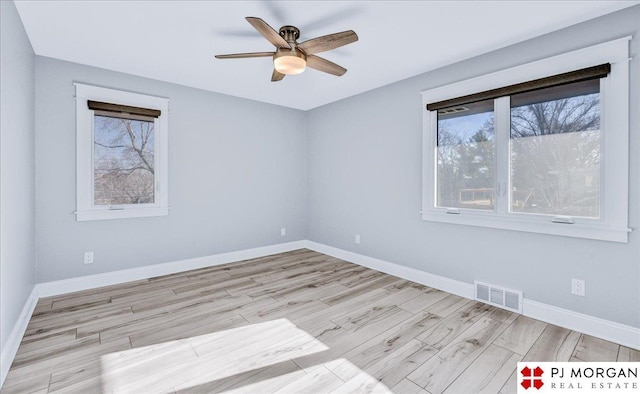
{"x":108,"y":107}
{"x":585,"y":74}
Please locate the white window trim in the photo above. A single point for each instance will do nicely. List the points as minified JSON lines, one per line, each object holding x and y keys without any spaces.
{"x":85,"y":208}
{"x":613,"y":225}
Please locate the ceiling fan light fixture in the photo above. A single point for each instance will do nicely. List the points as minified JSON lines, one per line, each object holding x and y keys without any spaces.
{"x":290,"y":58}
{"x":289,"y":63}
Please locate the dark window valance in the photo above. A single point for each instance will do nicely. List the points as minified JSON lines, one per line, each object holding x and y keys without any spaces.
{"x":585,"y":74}
{"x":117,"y":108}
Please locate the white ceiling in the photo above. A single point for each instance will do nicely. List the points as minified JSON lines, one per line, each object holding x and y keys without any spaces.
{"x":175,"y":41}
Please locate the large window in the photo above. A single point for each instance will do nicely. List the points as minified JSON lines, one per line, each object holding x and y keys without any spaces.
{"x":121,"y":161}
{"x":546,"y":151}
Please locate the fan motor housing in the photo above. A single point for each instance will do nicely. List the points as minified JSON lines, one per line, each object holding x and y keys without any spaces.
{"x":289,"y":52}
{"x":290,"y":33}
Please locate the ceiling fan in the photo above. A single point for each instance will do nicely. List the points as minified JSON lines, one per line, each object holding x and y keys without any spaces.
{"x":290,"y":57}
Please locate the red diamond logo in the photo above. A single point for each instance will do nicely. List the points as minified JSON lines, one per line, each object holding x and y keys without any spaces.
{"x":532,"y":378}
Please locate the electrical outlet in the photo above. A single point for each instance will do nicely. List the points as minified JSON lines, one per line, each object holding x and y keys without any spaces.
{"x":283,"y":231}
{"x":357,"y":239}
{"x":578,"y":287}
{"x":88,"y":257}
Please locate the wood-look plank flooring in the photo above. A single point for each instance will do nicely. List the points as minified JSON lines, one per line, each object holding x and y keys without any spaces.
{"x":294,"y":322}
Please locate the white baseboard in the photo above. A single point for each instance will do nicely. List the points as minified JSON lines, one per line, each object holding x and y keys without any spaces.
{"x":438,"y":282}
{"x":64,"y":286}
{"x":11,"y":348}
{"x":590,"y":325}
{"x":594,"y":326}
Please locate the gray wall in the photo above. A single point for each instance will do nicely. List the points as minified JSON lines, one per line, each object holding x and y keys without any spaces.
{"x":365,"y":162}
{"x":17,"y":206}
{"x":237,"y":174}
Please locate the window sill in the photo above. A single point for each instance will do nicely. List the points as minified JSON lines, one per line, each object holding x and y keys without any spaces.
{"x":106,"y":214}
{"x":538,"y":225}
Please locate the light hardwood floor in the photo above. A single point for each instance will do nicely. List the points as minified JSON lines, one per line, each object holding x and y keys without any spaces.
{"x":289,"y":323}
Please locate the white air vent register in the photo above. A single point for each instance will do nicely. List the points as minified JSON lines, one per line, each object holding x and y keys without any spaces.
{"x":499,"y":296}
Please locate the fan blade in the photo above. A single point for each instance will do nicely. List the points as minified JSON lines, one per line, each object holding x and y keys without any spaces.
{"x":325,"y":43}
{"x":324,"y":65}
{"x":267,"y":32}
{"x":245,"y":55}
{"x":276,"y":76}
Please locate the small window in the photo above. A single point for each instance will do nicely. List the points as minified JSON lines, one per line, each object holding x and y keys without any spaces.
{"x":542,"y":147}
{"x":121,"y":161}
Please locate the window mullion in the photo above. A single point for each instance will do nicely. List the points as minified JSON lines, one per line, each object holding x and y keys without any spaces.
{"x":502,"y":128}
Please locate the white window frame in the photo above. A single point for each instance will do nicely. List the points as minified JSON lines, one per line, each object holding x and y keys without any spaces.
{"x":85,"y":207}
{"x":614,"y":125}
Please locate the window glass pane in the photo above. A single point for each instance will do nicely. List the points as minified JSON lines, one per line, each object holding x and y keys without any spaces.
{"x":123,"y":161}
{"x":555,"y":150}
{"x":465,"y":173}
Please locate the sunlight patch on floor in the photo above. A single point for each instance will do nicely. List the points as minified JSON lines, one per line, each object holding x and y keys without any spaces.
{"x":208,"y":358}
